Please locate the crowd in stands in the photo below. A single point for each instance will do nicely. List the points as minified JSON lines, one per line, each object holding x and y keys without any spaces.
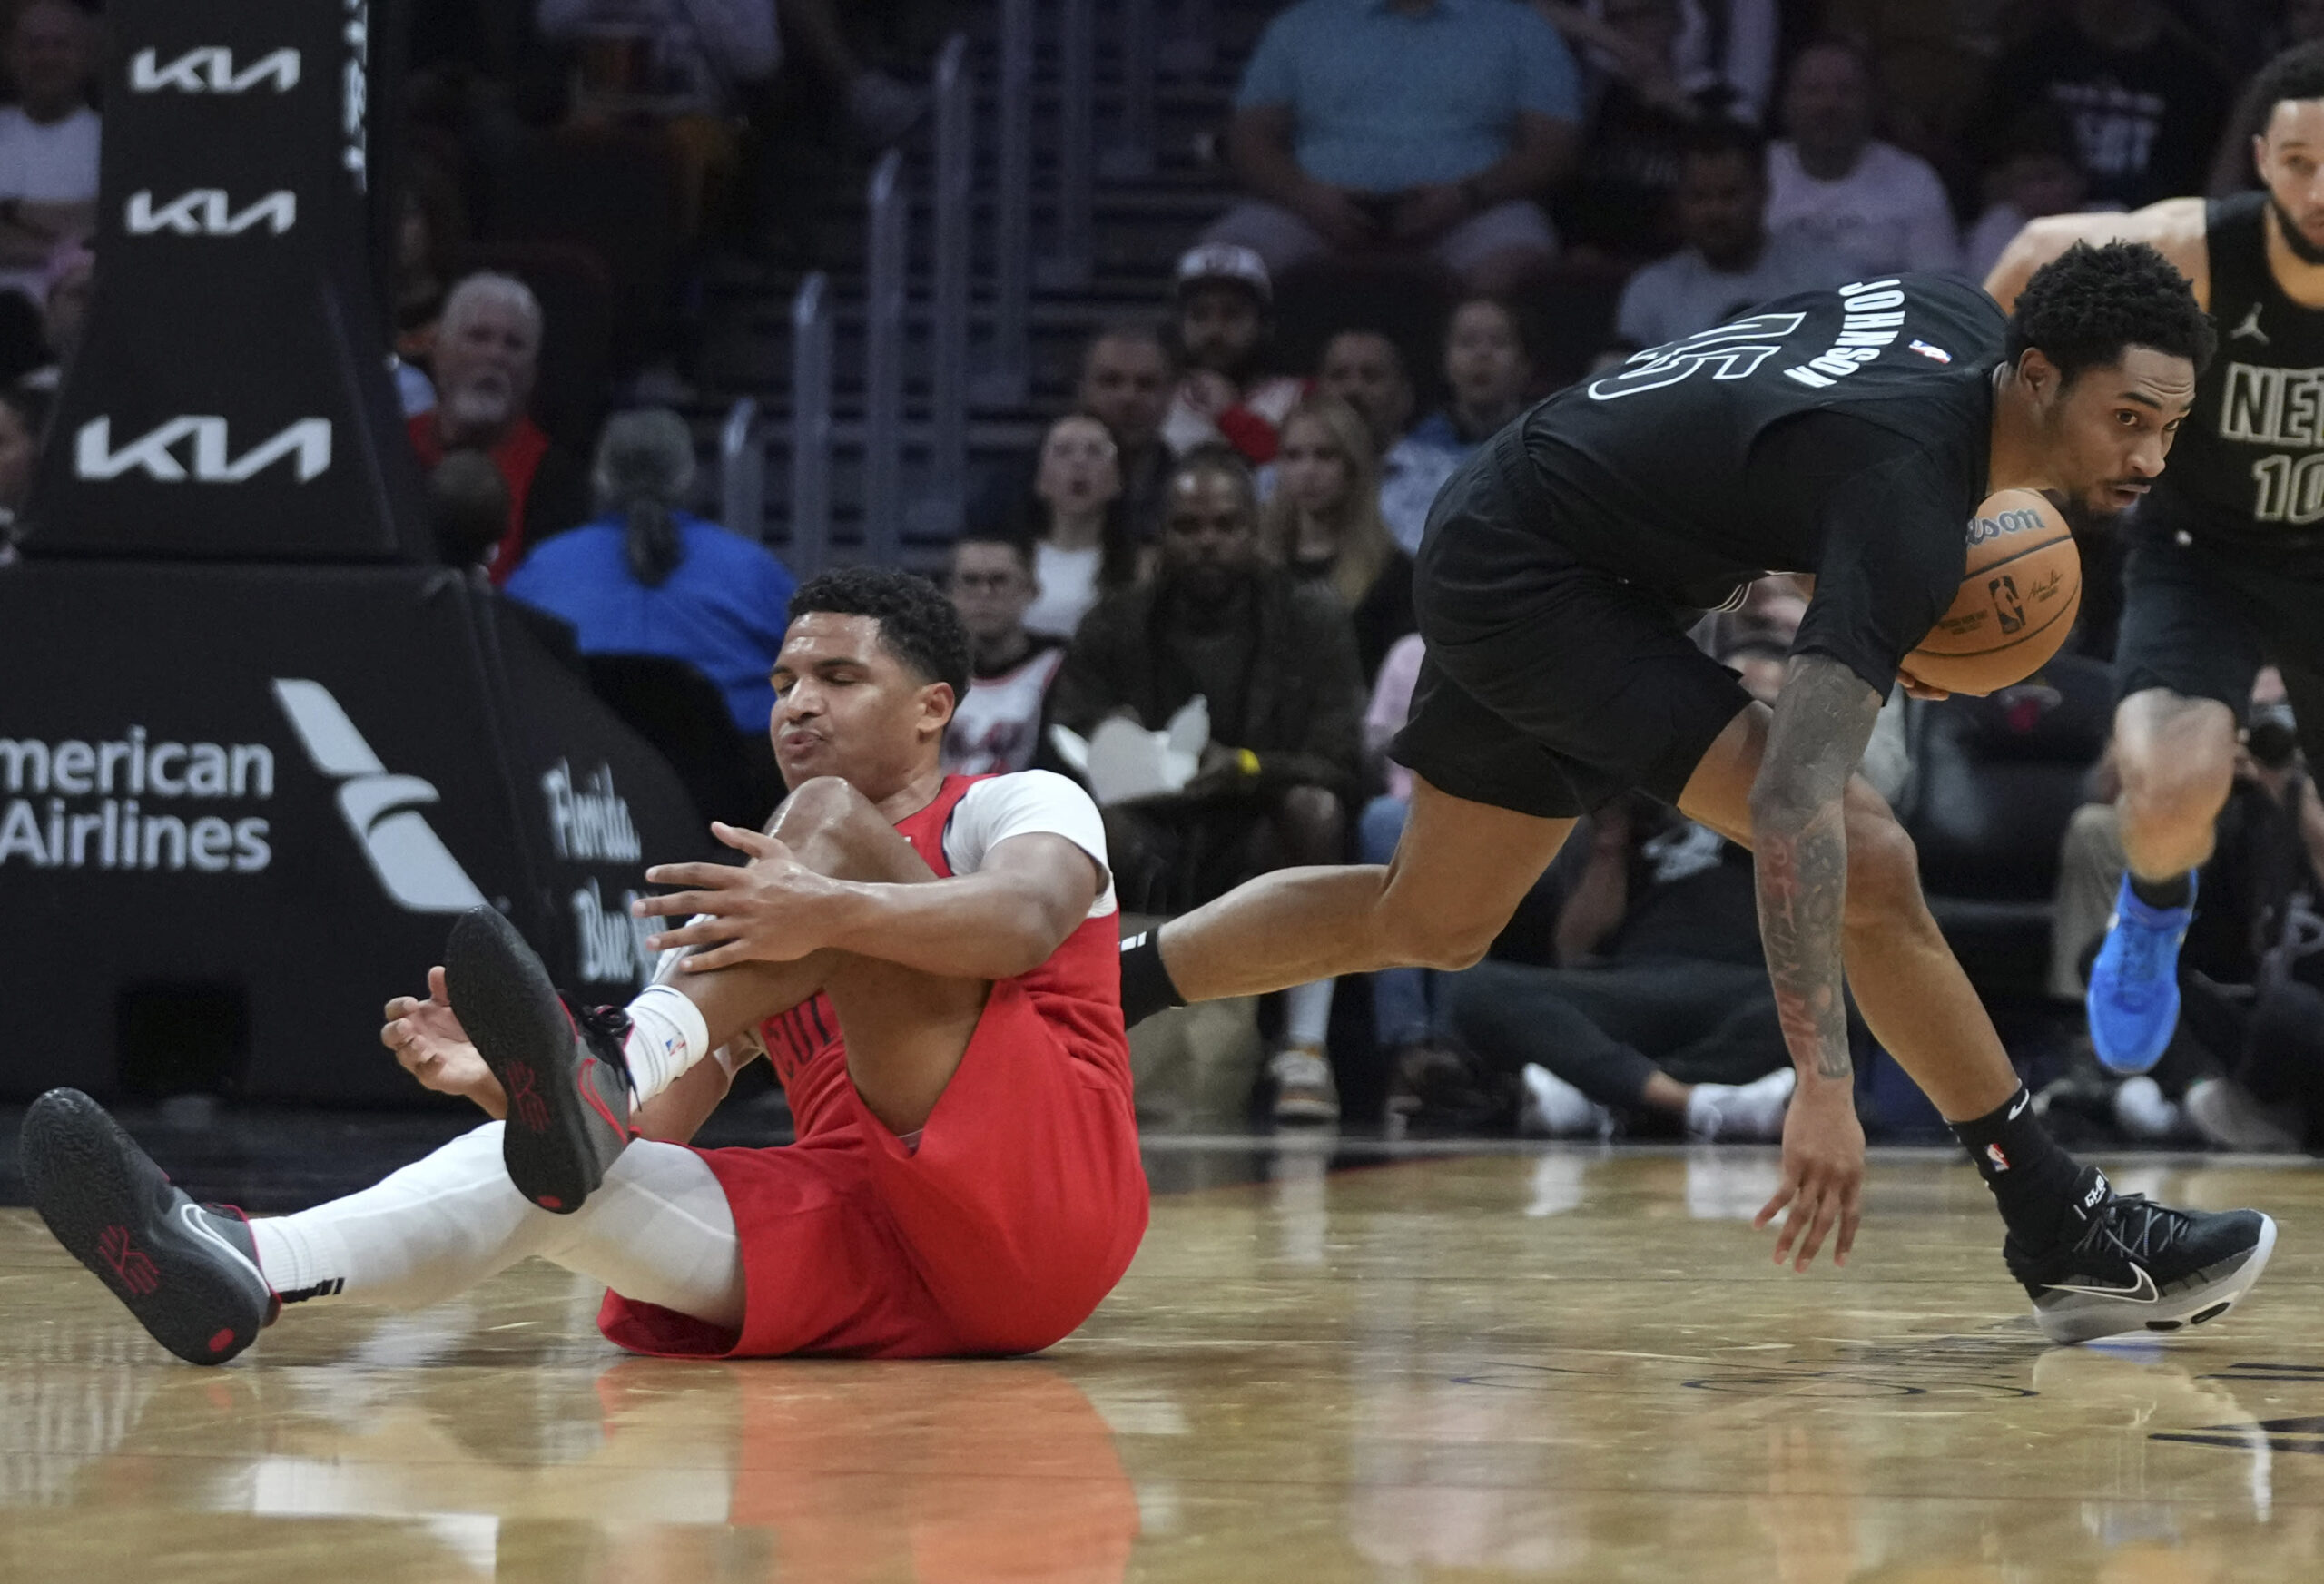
{"x":1228,"y":506}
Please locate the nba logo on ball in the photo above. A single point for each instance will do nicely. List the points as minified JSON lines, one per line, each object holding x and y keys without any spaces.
{"x":2021,"y":587}
{"x":2005,"y":604}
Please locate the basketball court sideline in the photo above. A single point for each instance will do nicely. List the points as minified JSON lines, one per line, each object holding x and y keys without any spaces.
{"x":1515,"y":1364}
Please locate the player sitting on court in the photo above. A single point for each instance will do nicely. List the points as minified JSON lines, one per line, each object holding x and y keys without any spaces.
{"x":929,"y":961}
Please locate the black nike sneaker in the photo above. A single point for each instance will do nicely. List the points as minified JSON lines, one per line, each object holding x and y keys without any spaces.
{"x":188,"y":1271}
{"x":561,"y":1065}
{"x":2125,"y":1263}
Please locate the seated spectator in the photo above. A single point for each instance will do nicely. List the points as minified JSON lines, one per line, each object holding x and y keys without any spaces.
{"x":1729,"y":263}
{"x":1225,"y":396}
{"x":1404,"y":1022}
{"x":1488,"y":373}
{"x":996,"y":730}
{"x":2140,"y":92}
{"x":48,"y":169}
{"x":1074,"y":520}
{"x":486,"y":355}
{"x":428,"y":242}
{"x":24,"y":420}
{"x":1322,"y":523}
{"x":65,"y":285}
{"x":1413,"y":126}
{"x":1364,"y":369}
{"x":1127,"y":375}
{"x":2036,"y":173}
{"x":1638,"y":120}
{"x":48,"y":142}
{"x":1276,"y":661}
{"x":676,"y":67}
{"x":1658,"y":1014}
{"x":467,"y":510}
{"x":1832,"y":182}
{"x":650,"y":577}
{"x":880,"y":108}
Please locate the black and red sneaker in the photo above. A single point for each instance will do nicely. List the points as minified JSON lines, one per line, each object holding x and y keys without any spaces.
{"x":188,"y":1271}
{"x":561,"y":1065}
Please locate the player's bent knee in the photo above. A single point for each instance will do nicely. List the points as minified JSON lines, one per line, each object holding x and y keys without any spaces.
{"x":1884,"y":870}
{"x":1445,"y":944}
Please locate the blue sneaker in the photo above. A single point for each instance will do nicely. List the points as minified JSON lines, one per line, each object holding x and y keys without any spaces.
{"x":2133,"y":998}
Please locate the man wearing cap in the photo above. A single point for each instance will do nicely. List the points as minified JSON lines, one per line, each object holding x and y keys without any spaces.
{"x":1422,"y":127}
{"x":1226,"y":318}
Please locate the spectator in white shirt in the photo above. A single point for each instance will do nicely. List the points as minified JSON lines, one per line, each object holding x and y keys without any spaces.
{"x":1833,"y":182}
{"x":48,"y":143}
{"x":1729,"y":262}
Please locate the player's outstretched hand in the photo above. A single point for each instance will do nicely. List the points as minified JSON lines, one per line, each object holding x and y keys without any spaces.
{"x":1915,"y":688}
{"x":773,"y":909}
{"x":1823,"y":1175}
{"x":431,"y":1045}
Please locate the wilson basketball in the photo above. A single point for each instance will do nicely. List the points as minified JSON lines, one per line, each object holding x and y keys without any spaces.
{"x":2017,"y":600}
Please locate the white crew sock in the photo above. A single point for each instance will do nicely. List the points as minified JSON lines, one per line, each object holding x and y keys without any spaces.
{"x":666,"y":1038}
{"x":1307,"y":1014}
{"x":658,"y":1230}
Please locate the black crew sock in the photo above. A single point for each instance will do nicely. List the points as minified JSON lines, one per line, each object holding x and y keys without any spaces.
{"x":1146,"y":983}
{"x":2032,"y":1178}
{"x":2162,"y":893}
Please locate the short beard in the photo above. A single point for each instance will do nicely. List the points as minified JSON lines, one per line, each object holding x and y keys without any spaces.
{"x":2306,"y":252}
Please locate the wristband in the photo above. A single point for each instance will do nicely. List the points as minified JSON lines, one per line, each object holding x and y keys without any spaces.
{"x":1248,"y":762}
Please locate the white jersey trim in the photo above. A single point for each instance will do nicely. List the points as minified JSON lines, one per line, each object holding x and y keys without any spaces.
{"x":1031,"y":802}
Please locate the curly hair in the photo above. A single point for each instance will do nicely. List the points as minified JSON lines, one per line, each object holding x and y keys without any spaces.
{"x":917,"y":624}
{"x":2085,"y":307}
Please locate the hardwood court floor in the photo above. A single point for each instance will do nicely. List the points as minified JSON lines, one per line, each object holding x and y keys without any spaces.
{"x":1563,"y":1365}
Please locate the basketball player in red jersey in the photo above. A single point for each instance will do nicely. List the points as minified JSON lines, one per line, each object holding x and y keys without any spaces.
{"x":932,"y":963}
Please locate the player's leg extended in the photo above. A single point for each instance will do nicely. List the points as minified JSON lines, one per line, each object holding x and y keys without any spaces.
{"x":1459,"y":873}
{"x":2094,"y":1263}
{"x":2176,"y":756}
{"x":204,"y":1281}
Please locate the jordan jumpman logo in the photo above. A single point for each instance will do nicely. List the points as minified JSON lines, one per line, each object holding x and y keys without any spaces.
{"x":2249,"y":326}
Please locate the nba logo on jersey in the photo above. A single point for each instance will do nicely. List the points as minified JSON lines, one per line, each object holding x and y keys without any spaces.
{"x":1936,"y":354}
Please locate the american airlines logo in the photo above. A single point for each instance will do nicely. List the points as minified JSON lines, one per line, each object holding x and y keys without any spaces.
{"x":382,"y":810}
{"x":211,"y":70}
{"x":206,"y":211}
{"x":306,"y":442}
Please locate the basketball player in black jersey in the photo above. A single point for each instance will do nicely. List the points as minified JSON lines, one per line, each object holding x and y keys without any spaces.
{"x":1850,"y":434}
{"x":2227,"y":560}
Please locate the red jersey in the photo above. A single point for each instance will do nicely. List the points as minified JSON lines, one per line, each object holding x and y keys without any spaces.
{"x":1079,"y":991}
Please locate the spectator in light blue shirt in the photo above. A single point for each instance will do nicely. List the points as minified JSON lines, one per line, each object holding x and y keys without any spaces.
{"x":651,"y":579}
{"x":1369,"y":126}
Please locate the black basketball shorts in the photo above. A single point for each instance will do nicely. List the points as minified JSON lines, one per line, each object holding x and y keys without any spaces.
{"x":1550,"y":688}
{"x":2201,"y":618}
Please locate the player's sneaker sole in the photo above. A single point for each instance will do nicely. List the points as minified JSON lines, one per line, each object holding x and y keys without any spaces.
{"x":173,"y":1263}
{"x":2198,"y":1298}
{"x":565,"y":1101}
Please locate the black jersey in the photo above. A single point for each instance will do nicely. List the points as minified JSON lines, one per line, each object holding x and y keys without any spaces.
{"x":1842,"y":433}
{"x":2247,"y":469}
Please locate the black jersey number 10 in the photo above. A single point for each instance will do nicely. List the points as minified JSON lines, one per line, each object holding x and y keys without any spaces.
{"x":2289,"y":491}
{"x":1731,"y":351}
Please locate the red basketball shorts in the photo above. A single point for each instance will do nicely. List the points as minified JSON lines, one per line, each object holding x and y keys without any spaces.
{"x":1016,"y":1216}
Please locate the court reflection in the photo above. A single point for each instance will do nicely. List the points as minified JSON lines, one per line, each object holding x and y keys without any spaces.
{"x":643,"y":1472}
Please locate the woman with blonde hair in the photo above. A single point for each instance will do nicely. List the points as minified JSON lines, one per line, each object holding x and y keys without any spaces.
{"x":1324,"y":523}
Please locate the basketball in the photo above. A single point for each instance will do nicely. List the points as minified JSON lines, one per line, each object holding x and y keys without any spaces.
{"x":2017,"y":599}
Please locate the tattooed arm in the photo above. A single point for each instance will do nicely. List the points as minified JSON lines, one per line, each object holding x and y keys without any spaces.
{"x":1799,"y":836}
